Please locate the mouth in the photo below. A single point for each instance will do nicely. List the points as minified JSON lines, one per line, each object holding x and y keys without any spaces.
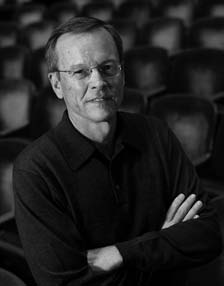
{"x":102,"y":99}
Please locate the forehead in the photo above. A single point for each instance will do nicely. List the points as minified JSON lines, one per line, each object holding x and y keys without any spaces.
{"x":86,"y":48}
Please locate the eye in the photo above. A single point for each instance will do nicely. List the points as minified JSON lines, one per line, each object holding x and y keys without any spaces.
{"x":81,"y":73}
{"x":108,"y":68}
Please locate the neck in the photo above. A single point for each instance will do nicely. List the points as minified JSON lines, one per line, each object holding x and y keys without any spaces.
{"x":99,"y":132}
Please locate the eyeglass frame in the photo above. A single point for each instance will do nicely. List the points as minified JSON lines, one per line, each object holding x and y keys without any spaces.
{"x":90,"y":69}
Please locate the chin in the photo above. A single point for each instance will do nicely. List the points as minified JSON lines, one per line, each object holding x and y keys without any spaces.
{"x":102,"y":115}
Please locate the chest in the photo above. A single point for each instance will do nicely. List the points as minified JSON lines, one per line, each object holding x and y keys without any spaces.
{"x":119,"y":199}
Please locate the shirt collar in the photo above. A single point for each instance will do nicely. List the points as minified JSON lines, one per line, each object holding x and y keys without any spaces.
{"x":77,"y":148}
{"x":129,"y":132}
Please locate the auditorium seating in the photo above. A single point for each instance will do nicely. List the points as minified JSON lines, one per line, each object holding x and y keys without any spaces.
{"x":193,"y":121}
{"x":146,"y":69}
{"x":165,"y":32}
{"x":14,"y":62}
{"x":16,"y":99}
{"x":173,"y":62}
{"x":208,"y":33}
{"x":8,"y":33}
{"x":199,"y":71}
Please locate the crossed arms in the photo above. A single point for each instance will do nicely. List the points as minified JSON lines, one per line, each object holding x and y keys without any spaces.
{"x":56,"y":248}
{"x":182,"y":209}
{"x":56,"y":254}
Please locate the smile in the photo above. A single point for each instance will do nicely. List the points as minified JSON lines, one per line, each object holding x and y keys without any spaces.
{"x":101,"y":99}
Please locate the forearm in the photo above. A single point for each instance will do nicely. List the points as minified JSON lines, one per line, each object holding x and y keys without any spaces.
{"x":55,"y":258}
{"x":172,"y":246}
{"x":186,"y":244}
{"x":104,"y":259}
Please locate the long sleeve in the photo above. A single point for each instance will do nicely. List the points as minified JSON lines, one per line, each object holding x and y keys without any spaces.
{"x":70,"y":198}
{"x":187,"y":244}
{"x":51,"y":241}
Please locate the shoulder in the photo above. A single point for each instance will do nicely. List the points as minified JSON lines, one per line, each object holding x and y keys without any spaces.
{"x":145,"y":125}
{"x":37,"y":153}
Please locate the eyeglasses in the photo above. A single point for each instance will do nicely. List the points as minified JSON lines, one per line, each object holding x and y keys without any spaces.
{"x":106,"y":69}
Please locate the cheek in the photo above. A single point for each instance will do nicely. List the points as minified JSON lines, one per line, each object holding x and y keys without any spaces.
{"x":74,"y":92}
{"x":119,"y":86}
{"x":75,"y":97}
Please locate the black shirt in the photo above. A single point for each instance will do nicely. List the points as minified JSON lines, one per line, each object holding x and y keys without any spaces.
{"x":70,"y":197}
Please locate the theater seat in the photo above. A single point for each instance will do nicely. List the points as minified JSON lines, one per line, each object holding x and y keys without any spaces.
{"x":137,"y":11}
{"x":102,"y":10}
{"x":16,"y":99}
{"x":8,"y":33}
{"x":146,"y":69}
{"x":165,"y":32}
{"x":180,"y":9}
{"x":193,"y":121}
{"x":8,"y":278}
{"x":208,"y":33}
{"x":36,"y":35}
{"x":47,"y":113}
{"x":128,"y":32}
{"x":199,"y":71}
{"x":133,"y":101}
{"x":14,"y":62}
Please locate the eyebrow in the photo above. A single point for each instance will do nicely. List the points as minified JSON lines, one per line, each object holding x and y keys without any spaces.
{"x":77,"y":66}
{"x":73,"y":67}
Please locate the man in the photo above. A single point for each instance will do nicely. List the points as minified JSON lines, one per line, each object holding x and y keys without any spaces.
{"x":107,"y":198}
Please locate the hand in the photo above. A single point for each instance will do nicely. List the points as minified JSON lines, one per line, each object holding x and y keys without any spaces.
{"x":182,"y":209}
{"x":104,"y":259}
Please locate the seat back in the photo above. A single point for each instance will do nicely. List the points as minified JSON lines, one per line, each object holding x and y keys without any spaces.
{"x":80,"y":4}
{"x":28,"y":14}
{"x":181,"y":9}
{"x":13,"y":260}
{"x":192,"y":120}
{"x":8,"y":278}
{"x":218,"y":151}
{"x":207,"y":8}
{"x":8,"y":34}
{"x":128,"y":32}
{"x":164,"y":32}
{"x":101,"y":10}
{"x":16,"y":98}
{"x":39,"y":75}
{"x":137,"y":11}
{"x":117,"y":3}
{"x":14,"y":62}
{"x":9,"y":150}
{"x":61,"y":12}
{"x":146,"y":69}
{"x":133,"y":101}
{"x":47,"y":113}
{"x":7,"y":12}
{"x":197,"y":71}
{"x":36,"y":35}
{"x":208,"y":33}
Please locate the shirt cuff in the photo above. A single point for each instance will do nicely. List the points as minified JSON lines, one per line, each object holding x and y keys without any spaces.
{"x":132,"y":251}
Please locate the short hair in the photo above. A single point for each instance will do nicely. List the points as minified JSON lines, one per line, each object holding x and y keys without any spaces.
{"x":77,"y":25}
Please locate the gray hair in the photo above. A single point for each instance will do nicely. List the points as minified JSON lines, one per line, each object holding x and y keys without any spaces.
{"x":77,"y":25}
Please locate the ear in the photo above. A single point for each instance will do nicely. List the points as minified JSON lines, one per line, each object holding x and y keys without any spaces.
{"x":123,"y":74}
{"x":56,"y":84}
{"x":123,"y":77}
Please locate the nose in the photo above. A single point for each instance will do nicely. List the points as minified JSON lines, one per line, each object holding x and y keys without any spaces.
{"x":96,"y":80}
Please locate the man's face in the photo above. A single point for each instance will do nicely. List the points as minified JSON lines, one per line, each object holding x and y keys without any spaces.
{"x":96,"y":97}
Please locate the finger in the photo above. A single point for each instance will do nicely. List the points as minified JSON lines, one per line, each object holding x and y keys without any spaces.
{"x":92,"y":254}
{"x":174,"y":206}
{"x":193,"y":211}
{"x":196,"y":216}
{"x":184,"y":208}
